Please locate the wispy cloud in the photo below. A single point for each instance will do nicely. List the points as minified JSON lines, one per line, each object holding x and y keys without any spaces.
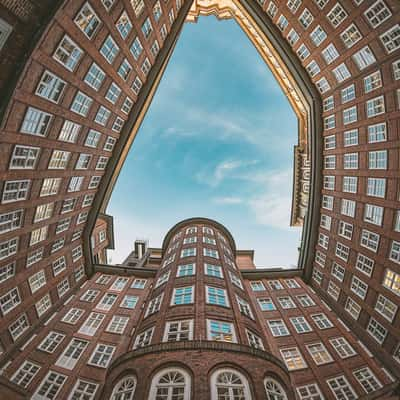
{"x":228,"y":200}
{"x":224,"y":169}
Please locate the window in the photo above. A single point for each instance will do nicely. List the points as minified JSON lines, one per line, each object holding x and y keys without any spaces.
{"x":145,"y":66}
{"x":235,"y":280}
{"x":154,"y":305}
{"x":305,"y":300}
{"x":139,"y":283}
{"x":95,"y":76}
{"x":341,"y":73}
{"x":372,"y":82}
{"x":92,"y":138}
{"x":229,"y":384}
{"x":373,"y":214}
{"x":254,"y":340}
{"x":68,"y":53}
{"x":321,"y":321}
{"x":188,"y":252}
{"x":69,"y":132}
{"x":81,"y":104}
{"x":282,"y":22}
{"x":50,"y":386}
{"x":375,"y":106}
{"x":364,"y":264}
{"x":266,"y":304}
{"x":341,"y":388}
{"x":300,"y":324}
{"x":10,"y":221}
{"x":386,"y":308}
{"x":18,"y":327}
{"x":102,"y":116}
{"x":244,"y":307}
{"x":342,"y":347}
{"x":286,"y":302}
{"x":136,"y":48}
{"x":330,"y":162}
{"x":377,"y":159}
{"x":313,"y":68}
{"x":119,"y":284}
{"x":36,"y":122}
{"x":319,"y":353}
{"x":87,"y":21}
{"x":309,"y":392}
{"x":330,"y":142}
{"x":216,"y":296}
{"x":92,"y":323}
{"x":186,"y":270}
{"x":318,"y":35}
{"x":338,"y":271}
{"x":51,"y":342}
{"x":129,"y":301}
{"x":220,"y":331}
{"x":303,"y":52}
{"x":183,"y":295}
{"x":70,"y":356}
{"x":109,"y":50}
{"x":101,"y":357}
{"x":328,"y":104}
{"x":391,"y":281}
{"x":43,"y":305}
{"x":83,"y":390}
{"x":345,"y":230}
{"x":352,"y":308}
{"x":336,"y":15}
{"x":170,"y":384}
{"x":391,"y":39}
{"x":348,"y":93}
{"x":278,"y":327}
{"x":377,"y":133}
{"x":348,"y":207}
{"x":25,"y":373}
{"x":333,"y":290}
{"x":350,"y":184}
{"x":83,"y":161}
{"x":72,"y":316}
{"x":320,"y":258}
{"x":370,"y":240}
{"x":364,"y":57}
{"x":329,"y":122}
{"x":213,"y":270}
{"x":376,"y":330}
{"x":124,"y":389}
{"x":323,"y":240}
{"x":50,"y":87}
{"x":293,"y":37}
{"x":178,"y":330}
{"x":24,"y":157}
{"x":330,"y":54}
{"x":351,"y":36}
{"x":209,"y":240}
{"x":210,"y":253}
{"x":144,"y":338}
{"x":367,"y":380}
{"x":113,"y":93}
{"x":350,"y":138}
{"x":306,"y":18}
{"x":325,"y":222}
{"x":107,"y":301}
{"x":323,"y":85}
{"x":377,"y":13}
{"x":293,"y":358}
{"x":7,"y":271}
{"x":349,"y":115}
{"x":124,"y":25}
{"x":359,"y":287}
{"x":15,"y":191}
{"x":257,"y":286}
{"x":63,"y":287}
{"x":9,"y":301}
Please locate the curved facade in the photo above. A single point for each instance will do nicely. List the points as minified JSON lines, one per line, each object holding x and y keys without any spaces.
{"x":71,"y":108}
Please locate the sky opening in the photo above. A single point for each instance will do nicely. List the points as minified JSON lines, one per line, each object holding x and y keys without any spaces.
{"x":217,"y":142}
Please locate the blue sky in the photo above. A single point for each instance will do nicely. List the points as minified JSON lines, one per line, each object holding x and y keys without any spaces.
{"x":216,"y":142}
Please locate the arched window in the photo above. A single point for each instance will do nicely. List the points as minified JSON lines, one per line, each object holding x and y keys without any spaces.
{"x":124,"y":389}
{"x":170,"y":384}
{"x":228,"y":384}
{"x":274,"y":390}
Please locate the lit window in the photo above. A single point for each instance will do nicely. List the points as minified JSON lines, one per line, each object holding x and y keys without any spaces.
{"x":220,"y":331}
{"x":293,"y":358}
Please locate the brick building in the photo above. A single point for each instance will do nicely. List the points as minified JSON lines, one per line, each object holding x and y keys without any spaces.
{"x":76,"y":80}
